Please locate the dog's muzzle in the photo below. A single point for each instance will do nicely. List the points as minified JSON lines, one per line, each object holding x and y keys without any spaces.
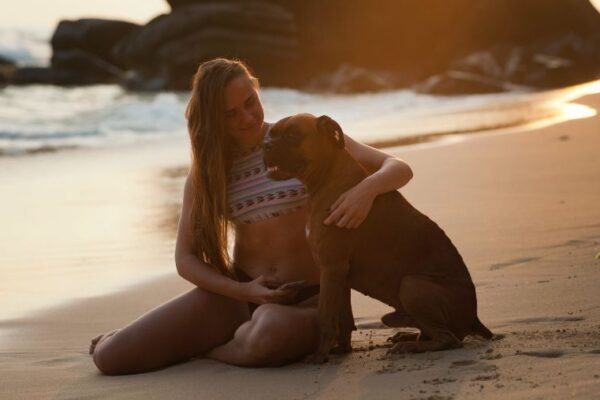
{"x":282,"y":163}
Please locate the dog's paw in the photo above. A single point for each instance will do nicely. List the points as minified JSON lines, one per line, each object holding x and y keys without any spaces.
{"x":316,"y":358}
{"x":404,"y":337}
{"x":405,"y":347}
{"x":342,"y":349}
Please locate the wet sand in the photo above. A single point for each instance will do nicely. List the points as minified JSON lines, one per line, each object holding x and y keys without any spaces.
{"x":522,"y":208}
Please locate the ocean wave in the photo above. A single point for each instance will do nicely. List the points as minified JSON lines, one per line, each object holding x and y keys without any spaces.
{"x":38,"y":118}
{"x":53,"y":117}
{"x":26,"y":47}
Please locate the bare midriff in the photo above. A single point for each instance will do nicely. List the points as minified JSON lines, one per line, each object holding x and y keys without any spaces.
{"x":276,"y":248}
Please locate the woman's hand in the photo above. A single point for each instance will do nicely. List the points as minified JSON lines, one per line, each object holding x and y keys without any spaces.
{"x":352,"y":207}
{"x":263,"y":290}
{"x":385,"y":173}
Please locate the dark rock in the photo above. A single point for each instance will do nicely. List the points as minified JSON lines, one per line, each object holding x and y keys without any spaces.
{"x":267,"y":55}
{"x":423,"y":37}
{"x":175,"y":4}
{"x":456,"y":82}
{"x":347,"y":45}
{"x":69,"y":68}
{"x":82,"y":53}
{"x":288,"y":4}
{"x":94,"y":36}
{"x":134,"y":80}
{"x":482,"y":72}
{"x":556,"y":62}
{"x":85,"y":68}
{"x":351,"y":79}
{"x":36,"y":75}
{"x":49,"y":76}
{"x":7,"y":70}
{"x":261,"y":34}
{"x":251,"y":17}
{"x":562,"y":60}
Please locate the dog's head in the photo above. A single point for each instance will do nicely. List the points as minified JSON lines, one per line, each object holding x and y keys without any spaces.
{"x":297,"y":146}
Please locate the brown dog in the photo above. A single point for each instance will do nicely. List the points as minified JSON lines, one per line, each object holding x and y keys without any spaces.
{"x":397,"y":255}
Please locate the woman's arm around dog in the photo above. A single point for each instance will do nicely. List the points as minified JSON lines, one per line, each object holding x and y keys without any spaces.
{"x":386,"y":173}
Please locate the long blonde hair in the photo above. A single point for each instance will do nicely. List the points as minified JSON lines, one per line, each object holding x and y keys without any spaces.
{"x":211,"y":159}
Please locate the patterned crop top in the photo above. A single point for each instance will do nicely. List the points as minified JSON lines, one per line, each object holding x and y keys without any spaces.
{"x":253,"y":196}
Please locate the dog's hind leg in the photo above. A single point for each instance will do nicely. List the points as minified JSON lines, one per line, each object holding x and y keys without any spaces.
{"x":480,"y":329}
{"x":428,"y":303}
{"x":398,"y":319}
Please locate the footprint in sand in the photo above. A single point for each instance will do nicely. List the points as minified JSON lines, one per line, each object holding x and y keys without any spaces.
{"x":514,"y":262}
{"x":542,"y":354}
{"x":486,"y":377}
{"x":463,"y":363}
{"x":479,"y":366}
{"x":548,"y":319}
{"x":50,"y":362}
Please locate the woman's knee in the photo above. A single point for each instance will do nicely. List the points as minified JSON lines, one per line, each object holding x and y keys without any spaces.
{"x":103,"y":364}
{"x":117,"y":355}
{"x":106,"y":358}
{"x":278,"y":334}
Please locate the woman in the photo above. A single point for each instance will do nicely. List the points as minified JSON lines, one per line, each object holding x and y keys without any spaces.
{"x":227,"y":185}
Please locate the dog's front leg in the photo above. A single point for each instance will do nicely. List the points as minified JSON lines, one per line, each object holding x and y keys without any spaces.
{"x":331,"y":298}
{"x":344,"y":341}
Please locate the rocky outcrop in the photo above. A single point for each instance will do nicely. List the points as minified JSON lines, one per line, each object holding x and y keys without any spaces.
{"x":82,"y":51}
{"x":453,"y":46}
{"x":96,"y":37}
{"x":171,"y":46}
{"x":82,"y":54}
{"x":415,"y":40}
{"x":560,"y":62}
{"x":7,"y":70}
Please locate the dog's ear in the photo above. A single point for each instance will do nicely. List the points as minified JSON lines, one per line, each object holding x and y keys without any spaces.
{"x":327,"y":126}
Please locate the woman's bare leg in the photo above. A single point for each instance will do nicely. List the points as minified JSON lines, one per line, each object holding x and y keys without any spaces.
{"x":186,"y":326}
{"x":275,"y":335}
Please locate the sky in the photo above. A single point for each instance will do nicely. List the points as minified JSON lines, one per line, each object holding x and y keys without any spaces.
{"x":45,"y":14}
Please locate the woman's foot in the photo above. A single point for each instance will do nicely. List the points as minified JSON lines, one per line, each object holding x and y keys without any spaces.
{"x":98,"y":339}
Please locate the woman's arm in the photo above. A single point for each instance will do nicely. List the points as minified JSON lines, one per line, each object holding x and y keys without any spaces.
{"x":202,"y":275}
{"x":386,"y":173}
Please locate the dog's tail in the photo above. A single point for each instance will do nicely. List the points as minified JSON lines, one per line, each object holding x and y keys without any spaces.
{"x":479,"y":329}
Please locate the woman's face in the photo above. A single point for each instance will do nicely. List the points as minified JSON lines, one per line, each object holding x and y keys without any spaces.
{"x":244,"y":114}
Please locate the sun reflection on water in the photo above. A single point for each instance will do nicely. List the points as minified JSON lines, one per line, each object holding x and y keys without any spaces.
{"x":573,"y":110}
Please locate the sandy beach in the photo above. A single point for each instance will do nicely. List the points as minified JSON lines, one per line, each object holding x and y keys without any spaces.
{"x":523,"y":208}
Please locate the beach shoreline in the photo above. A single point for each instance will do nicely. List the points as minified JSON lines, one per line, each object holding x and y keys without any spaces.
{"x":521,"y":208}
